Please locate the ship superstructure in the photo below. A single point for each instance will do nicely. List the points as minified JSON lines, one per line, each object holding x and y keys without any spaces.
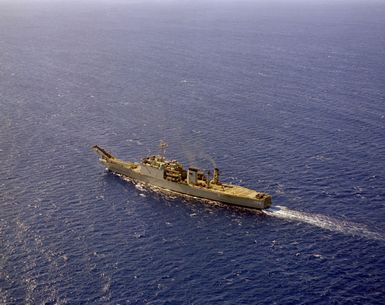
{"x":170,"y":175}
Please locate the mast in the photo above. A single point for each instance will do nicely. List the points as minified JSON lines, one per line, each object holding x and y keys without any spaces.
{"x":162,"y":146}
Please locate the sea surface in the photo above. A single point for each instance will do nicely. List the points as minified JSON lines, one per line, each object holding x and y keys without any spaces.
{"x":286,"y":97}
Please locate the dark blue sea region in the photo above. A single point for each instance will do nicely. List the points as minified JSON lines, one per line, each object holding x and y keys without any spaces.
{"x":286,"y":97}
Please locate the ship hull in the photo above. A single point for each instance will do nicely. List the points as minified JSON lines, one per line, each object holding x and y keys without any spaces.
{"x":184,"y":188}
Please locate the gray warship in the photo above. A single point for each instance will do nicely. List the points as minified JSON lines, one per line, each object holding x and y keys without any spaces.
{"x":156,"y":170}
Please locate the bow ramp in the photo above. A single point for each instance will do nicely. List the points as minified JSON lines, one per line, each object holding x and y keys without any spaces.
{"x":102,"y":153}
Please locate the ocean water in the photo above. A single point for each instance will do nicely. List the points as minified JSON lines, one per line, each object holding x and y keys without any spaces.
{"x":284,"y":97}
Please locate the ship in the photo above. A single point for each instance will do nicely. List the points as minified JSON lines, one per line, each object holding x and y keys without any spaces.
{"x":170,"y":175}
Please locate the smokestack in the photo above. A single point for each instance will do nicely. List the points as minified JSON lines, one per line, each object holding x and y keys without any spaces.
{"x":216,"y":176}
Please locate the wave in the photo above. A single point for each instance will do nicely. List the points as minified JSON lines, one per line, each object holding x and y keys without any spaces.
{"x":324,"y":222}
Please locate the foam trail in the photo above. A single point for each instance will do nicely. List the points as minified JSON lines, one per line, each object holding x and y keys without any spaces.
{"x":324,"y":222}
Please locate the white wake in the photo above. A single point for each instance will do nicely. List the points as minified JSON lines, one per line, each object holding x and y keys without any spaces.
{"x":324,"y":222}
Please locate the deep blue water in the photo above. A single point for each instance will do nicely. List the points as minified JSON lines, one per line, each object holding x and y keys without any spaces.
{"x":287,"y":98}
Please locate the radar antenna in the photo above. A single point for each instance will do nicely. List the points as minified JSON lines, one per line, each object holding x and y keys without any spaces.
{"x":163,"y":145}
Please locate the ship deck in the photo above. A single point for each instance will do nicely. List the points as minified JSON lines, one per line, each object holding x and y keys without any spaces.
{"x":224,"y":189}
{"x":236,"y":190}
